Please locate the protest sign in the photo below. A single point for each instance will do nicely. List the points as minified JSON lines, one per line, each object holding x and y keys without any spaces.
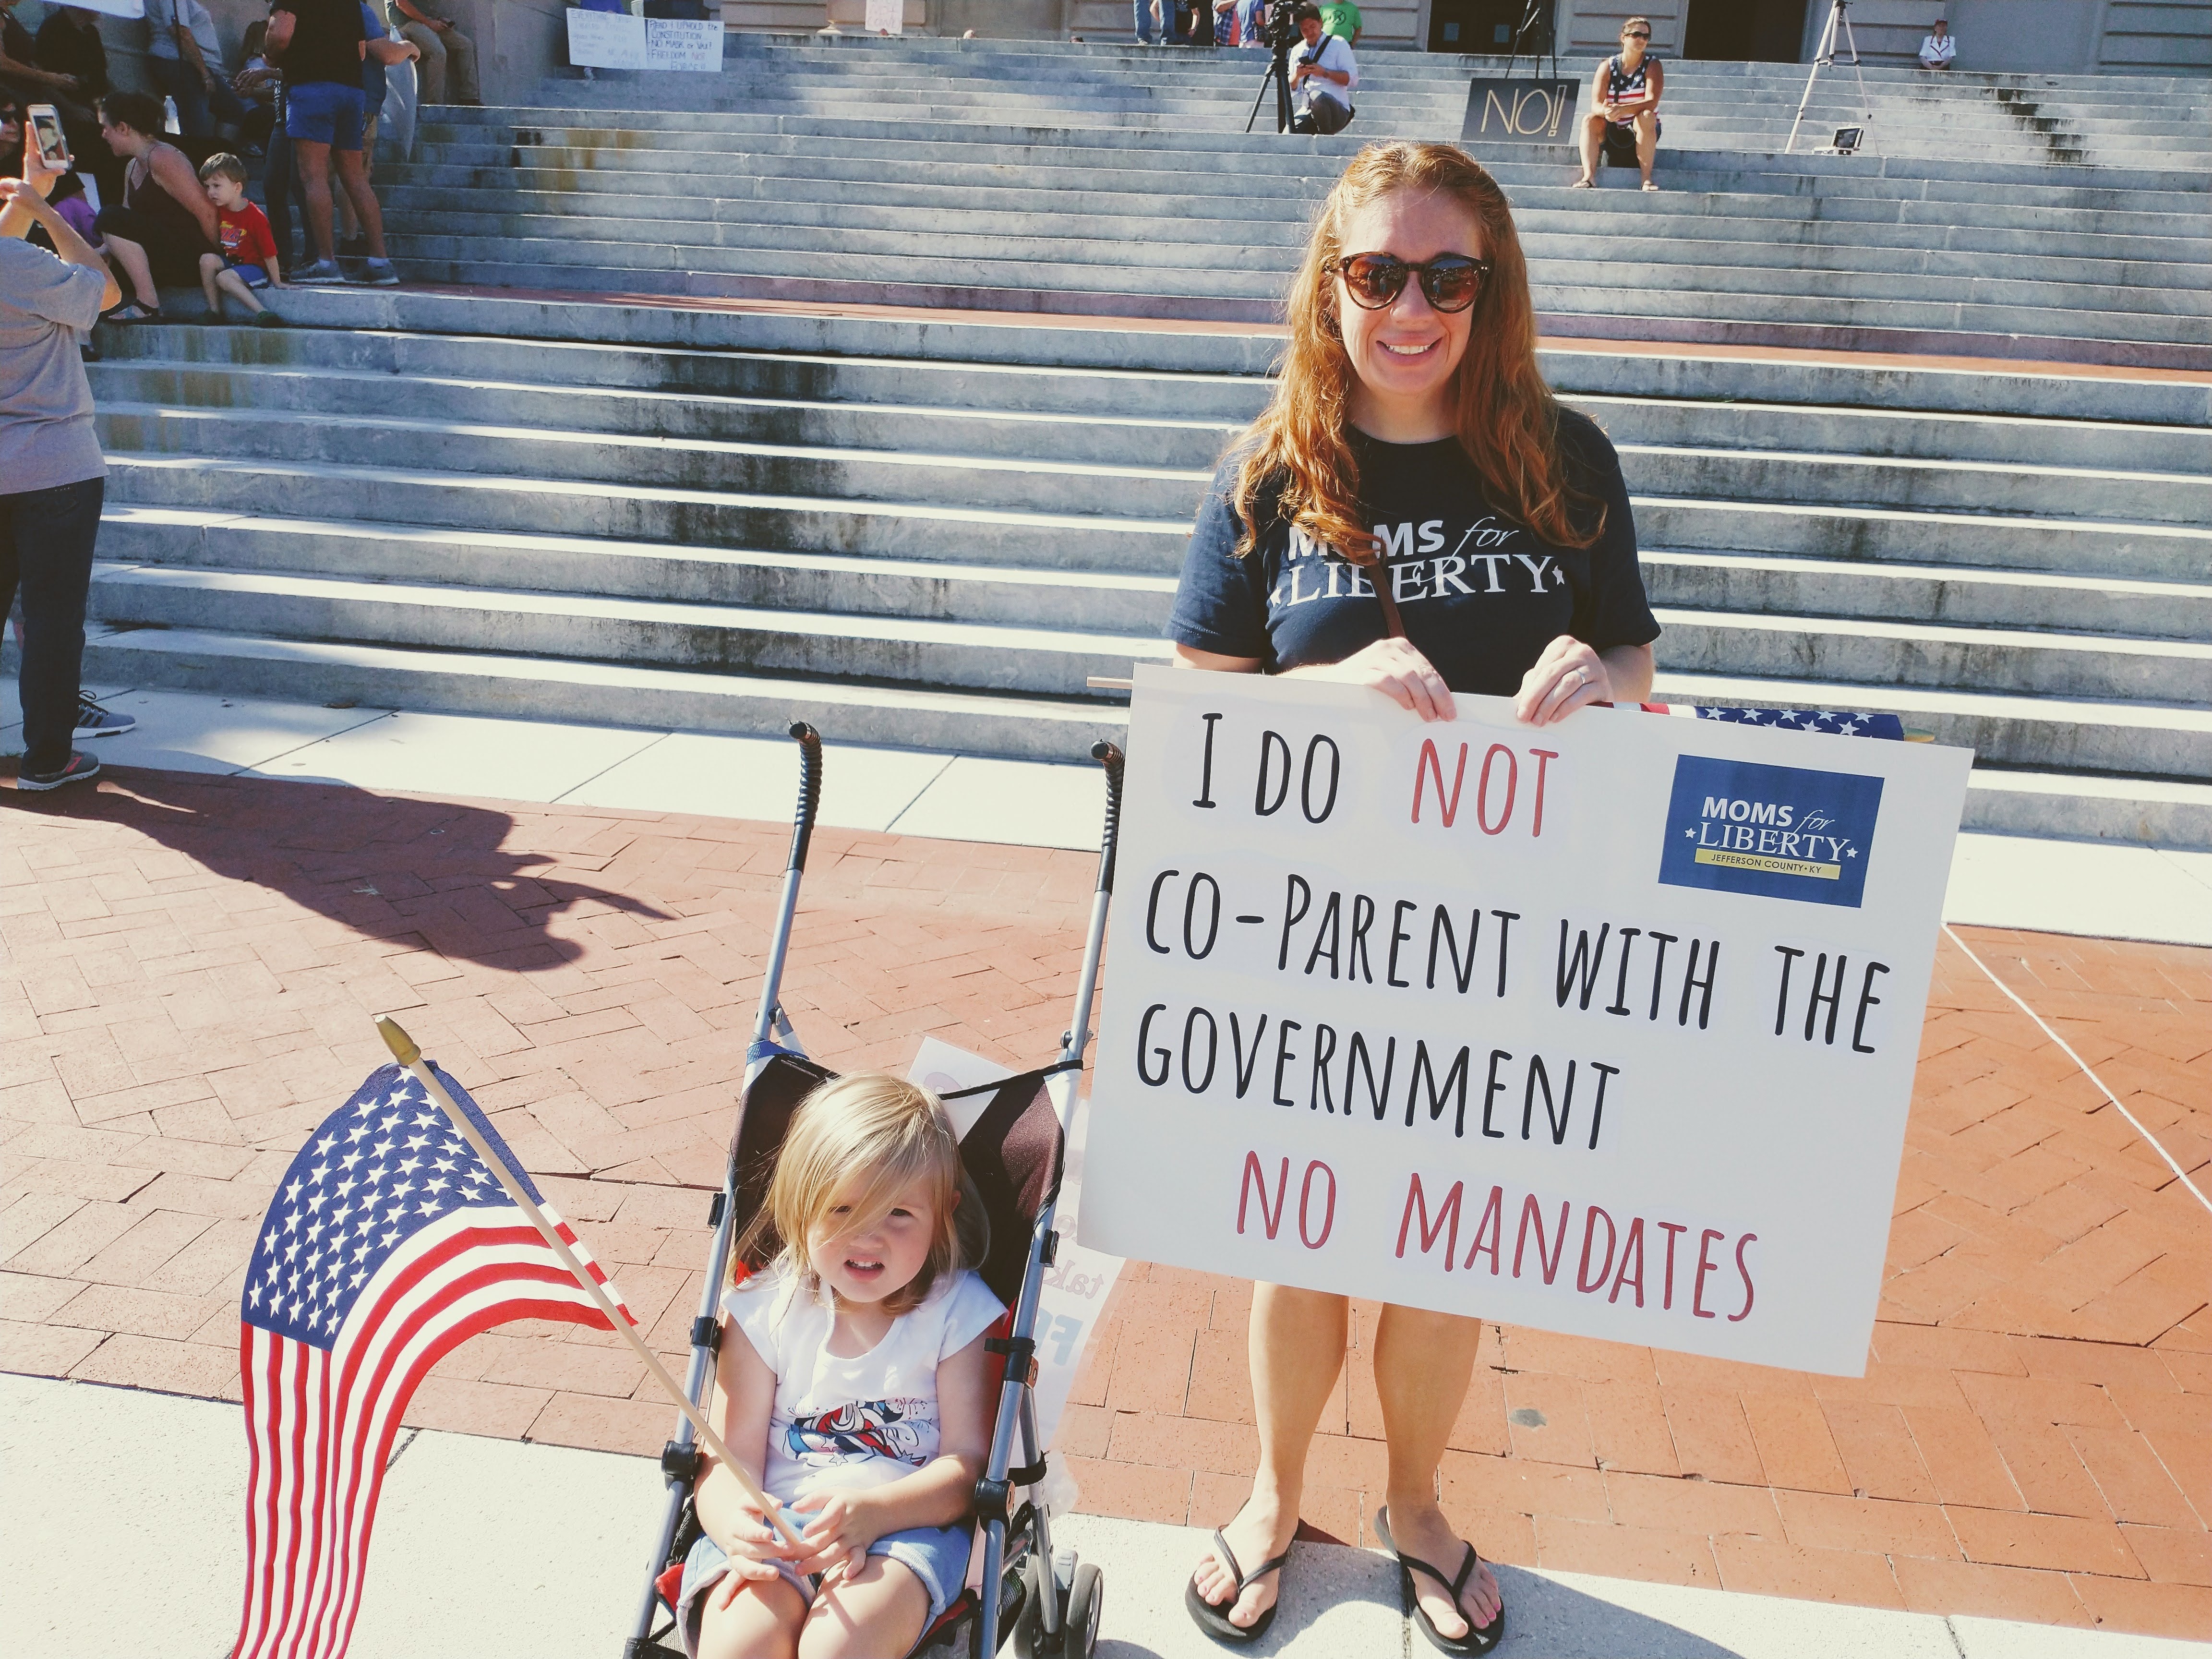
{"x":615,"y":40}
{"x":1519,"y":112}
{"x":606,"y":39}
{"x":886,"y":17}
{"x":1606,"y":1027}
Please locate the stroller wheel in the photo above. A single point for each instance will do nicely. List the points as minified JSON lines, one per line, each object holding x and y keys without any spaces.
{"x":1078,"y":1636}
{"x":1086,"y":1600}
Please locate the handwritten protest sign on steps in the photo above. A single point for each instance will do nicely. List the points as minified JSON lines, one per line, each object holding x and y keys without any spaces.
{"x":1606,"y":1027}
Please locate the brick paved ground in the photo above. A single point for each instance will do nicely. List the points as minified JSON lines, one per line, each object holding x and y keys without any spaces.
{"x":191,"y":962}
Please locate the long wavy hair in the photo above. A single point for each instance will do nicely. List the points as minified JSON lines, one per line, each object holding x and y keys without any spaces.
{"x":1299,"y":452}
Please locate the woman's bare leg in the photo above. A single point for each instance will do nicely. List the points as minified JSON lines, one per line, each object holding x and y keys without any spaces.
{"x":1422,"y":1364}
{"x":132,"y":259}
{"x":1647,"y":143}
{"x":1297,"y":1350}
{"x":1593,"y":136}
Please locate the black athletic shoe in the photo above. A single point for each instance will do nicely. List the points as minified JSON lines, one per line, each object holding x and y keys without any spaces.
{"x":81,"y":769}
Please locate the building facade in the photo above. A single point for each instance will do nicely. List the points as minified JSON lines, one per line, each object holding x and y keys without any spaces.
{"x":2063,"y":37}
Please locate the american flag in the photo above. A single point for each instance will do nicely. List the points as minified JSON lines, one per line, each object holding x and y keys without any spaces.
{"x":1836,"y":722}
{"x":389,"y":1243}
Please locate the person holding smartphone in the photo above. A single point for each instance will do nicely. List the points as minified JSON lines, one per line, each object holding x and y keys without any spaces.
{"x":52,"y":475}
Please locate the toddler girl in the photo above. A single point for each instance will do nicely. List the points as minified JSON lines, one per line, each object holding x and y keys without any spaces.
{"x":857,"y":1397}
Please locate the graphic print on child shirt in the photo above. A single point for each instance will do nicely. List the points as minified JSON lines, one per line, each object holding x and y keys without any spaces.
{"x":866,"y":1428}
{"x":850,"y":1421}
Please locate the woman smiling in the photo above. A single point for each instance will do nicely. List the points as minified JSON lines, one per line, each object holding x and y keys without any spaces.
{"x":1415,"y":513}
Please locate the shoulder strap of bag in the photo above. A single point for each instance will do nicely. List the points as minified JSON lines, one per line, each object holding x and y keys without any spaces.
{"x":1378,"y":574}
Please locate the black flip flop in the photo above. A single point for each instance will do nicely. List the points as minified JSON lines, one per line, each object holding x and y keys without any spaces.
{"x":1214,"y":1620}
{"x":1476,"y":1641}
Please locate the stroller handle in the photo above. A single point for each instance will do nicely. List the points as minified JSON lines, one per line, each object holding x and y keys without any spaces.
{"x":809,"y":791}
{"x":1110,"y":756}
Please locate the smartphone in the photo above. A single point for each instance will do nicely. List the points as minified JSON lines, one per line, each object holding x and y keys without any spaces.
{"x":47,"y":129}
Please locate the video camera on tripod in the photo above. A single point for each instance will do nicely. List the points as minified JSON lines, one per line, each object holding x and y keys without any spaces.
{"x":1279,"y":32}
{"x":1278,"y":27}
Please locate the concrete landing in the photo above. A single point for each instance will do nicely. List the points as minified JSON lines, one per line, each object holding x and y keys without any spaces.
{"x":504,"y":1550}
{"x":2097,"y":888}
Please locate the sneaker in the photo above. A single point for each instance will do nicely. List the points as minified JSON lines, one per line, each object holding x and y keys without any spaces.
{"x":81,"y":766}
{"x":323,"y":270}
{"x":94,"y":721}
{"x":377,"y":273}
{"x":267,"y":319}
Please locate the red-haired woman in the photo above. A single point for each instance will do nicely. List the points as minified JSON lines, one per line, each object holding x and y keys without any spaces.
{"x":1416,"y":512}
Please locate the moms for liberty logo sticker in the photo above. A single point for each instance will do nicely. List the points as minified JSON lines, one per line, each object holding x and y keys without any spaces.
{"x":1777,"y":831}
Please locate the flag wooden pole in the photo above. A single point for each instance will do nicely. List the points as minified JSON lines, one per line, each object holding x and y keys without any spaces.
{"x":404,"y":1050}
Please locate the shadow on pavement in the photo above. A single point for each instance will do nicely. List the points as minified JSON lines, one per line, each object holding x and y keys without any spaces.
{"x":385,"y":866}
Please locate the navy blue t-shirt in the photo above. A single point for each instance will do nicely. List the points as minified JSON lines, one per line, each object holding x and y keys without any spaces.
{"x":1480,"y":593}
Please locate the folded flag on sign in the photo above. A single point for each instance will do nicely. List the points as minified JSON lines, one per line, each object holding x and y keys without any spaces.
{"x":1836,"y":722}
{"x":389,"y":1243}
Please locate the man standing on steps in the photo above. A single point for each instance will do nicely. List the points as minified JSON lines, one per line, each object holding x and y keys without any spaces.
{"x":319,"y":45}
{"x":52,"y":475}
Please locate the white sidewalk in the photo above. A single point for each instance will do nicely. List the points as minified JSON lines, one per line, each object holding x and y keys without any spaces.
{"x":122,"y":1531}
{"x":2058,"y":886}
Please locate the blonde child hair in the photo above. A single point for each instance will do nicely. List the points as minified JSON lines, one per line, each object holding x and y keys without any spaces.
{"x":865,"y":1138}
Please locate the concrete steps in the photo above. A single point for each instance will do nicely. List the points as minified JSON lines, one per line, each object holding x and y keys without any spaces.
{"x":910,"y":530}
{"x":976,"y":209}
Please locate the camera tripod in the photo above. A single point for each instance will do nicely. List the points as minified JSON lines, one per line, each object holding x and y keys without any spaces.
{"x":1278,"y":75}
{"x":1839,"y":20}
{"x":1535,"y":35}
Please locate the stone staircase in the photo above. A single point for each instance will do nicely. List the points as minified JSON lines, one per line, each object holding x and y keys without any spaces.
{"x":2144,"y":122}
{"x":861,"y":194}
{"x":930,"y":532}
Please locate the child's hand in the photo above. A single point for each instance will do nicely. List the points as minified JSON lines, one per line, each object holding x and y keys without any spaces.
{"x":843,"y":1525}
{"x":753,"y":1555}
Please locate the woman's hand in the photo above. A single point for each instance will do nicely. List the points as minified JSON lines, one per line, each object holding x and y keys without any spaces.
{"x":1568,"y":675}
{"x":1396,"y":669}
{"x":844,"y":1524}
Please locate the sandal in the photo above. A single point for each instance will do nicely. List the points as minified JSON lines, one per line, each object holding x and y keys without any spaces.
{"x":1583,"y":184}
{"x":132,"y":311}
{"x":1213,"y":1617}
{"x":1653,"y":188}
{"x":1484,"y":1640}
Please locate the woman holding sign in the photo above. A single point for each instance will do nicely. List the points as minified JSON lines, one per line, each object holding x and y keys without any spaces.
{"x":1416,"y":512}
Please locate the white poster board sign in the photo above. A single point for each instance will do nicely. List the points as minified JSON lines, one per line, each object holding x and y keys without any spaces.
{"x":615,"y":40}
{"x":1605,"y":1028}
{"x":1080,"y":1280}
{"x":887,"y":16}
{"x":684,"y":43}
{"x":606,"y":39}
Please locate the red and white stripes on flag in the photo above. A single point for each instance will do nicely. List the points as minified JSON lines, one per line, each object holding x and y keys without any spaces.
{"x":328,"y":1359}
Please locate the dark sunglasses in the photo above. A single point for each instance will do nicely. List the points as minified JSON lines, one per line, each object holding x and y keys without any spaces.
{"x":1450,"y":282}
{"x":1636,"y":35}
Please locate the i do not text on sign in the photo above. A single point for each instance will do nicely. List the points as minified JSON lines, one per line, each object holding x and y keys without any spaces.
{"x":1606,"y":1027}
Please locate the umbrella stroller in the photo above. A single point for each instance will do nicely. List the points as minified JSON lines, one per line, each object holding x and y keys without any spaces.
{"x":1013,"y":1155}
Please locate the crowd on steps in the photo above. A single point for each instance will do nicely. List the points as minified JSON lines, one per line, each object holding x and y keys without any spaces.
{"x":158,"y":182}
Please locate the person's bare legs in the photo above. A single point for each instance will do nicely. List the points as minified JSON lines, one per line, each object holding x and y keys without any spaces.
{"x":353,"y":176}
{"x":1647,"y":144}
{"x":132,"y":258}
{"x":1422,"y":1364}
{"x":762,"y":1621}
{"x":311,"y":162}
{"x":1296,"y":1348}
{"x":880,"y":1609}
{"x":1593,"y":136}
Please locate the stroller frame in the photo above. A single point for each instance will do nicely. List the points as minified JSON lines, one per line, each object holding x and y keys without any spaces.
{"x":1036,"y":1601}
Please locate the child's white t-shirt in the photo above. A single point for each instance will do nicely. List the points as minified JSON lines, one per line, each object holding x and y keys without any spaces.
{"x":861,"y":1422}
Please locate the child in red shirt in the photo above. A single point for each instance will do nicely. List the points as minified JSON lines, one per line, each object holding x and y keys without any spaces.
{"x":248,"y":259}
